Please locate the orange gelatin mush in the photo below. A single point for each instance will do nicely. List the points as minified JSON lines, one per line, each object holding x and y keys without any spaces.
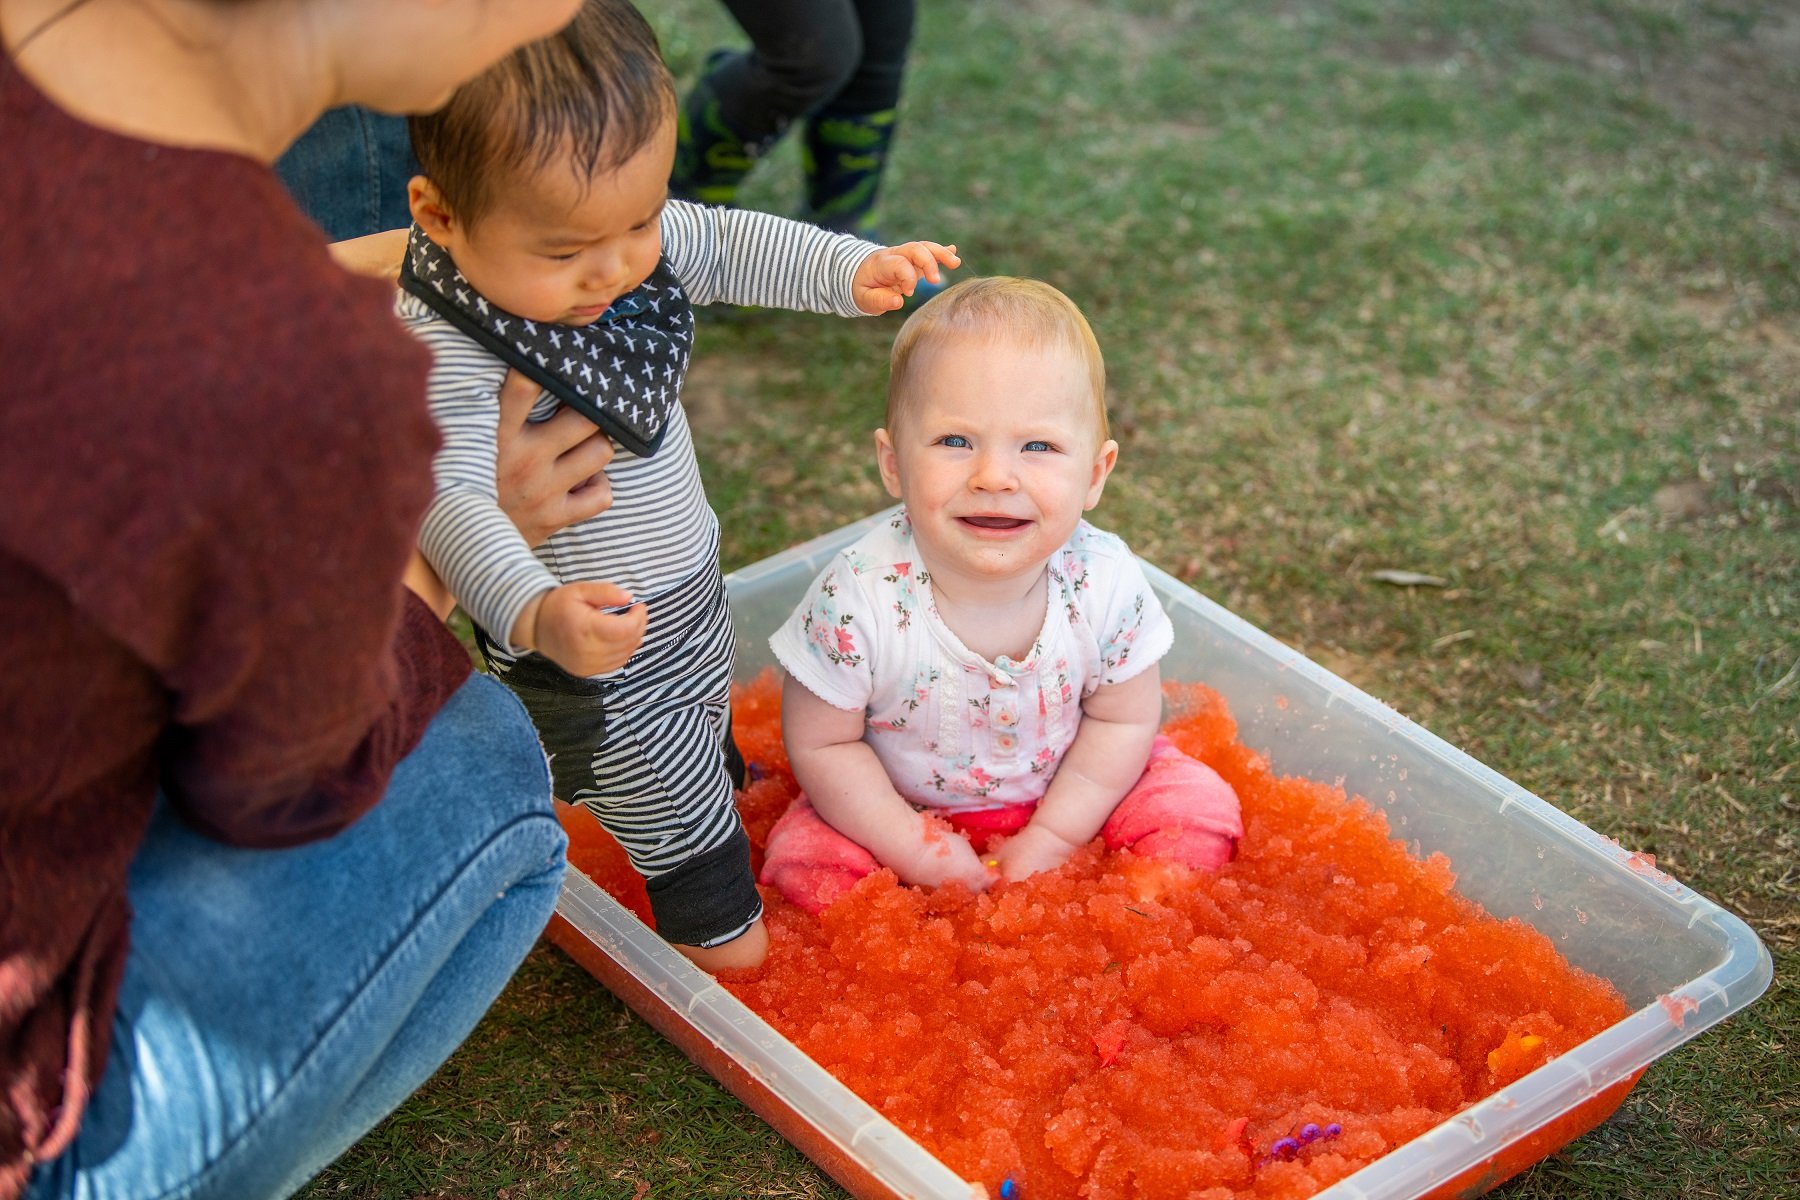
{"x":1122,"y":1028}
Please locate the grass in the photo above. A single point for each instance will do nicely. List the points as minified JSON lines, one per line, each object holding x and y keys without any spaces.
{"x":1507,"y":293}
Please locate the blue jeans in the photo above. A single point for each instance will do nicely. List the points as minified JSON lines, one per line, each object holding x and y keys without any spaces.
{"x":349,"y":171}
{"x":277,"y":1004}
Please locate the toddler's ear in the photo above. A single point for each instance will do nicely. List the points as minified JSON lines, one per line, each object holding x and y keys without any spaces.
{"x":1105,"y":459}
{"x":887,"y":462}
{"x":429,"y":211}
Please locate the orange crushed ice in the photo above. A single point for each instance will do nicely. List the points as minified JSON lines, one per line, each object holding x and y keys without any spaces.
{"x":1121,"y":1028}
{"x":1678,"y":1007}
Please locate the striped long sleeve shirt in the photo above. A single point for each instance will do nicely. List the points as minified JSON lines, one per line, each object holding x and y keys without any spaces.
{"x":659,"y":530}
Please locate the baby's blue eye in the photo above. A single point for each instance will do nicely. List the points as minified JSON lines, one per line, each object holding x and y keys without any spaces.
{"x":1037,"y":445}
{"x":954,"y":439}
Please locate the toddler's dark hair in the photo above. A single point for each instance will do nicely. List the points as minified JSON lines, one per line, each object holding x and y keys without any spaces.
{"x":596,"y":92}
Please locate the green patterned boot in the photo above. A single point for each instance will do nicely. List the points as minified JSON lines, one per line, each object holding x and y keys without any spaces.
{"x":711,"y":157}
{"x":844,"y":155}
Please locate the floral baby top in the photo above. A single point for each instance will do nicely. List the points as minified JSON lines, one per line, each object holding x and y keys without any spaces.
{"x":952,"y":729}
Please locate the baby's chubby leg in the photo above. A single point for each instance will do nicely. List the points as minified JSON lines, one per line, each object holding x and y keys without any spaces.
{"x":810,"y":863}
{"x":747,"y":949}
{"x":1179,"y":810}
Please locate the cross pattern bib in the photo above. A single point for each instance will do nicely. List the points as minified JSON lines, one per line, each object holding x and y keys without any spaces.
{"x":623,"y":372}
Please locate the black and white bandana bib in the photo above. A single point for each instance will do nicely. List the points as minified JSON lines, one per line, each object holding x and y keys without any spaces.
{"x":623,"y":372}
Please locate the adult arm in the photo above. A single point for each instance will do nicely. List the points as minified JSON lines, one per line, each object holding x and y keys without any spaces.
{"x":300,"y":669}
{"x":376,"y":255}
{"x":421,"y":579}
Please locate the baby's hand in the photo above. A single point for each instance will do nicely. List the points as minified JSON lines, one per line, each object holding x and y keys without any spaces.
{"x":573,"y":629}
{"x":1032,"y":849}
{"x":889,"y":275}
{"x":943,"y":856}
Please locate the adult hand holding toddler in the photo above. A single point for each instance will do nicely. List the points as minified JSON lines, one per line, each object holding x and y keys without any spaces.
{"x":550,"y":474}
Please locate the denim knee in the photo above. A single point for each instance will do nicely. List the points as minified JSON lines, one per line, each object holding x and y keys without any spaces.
{"x":483,"y":749}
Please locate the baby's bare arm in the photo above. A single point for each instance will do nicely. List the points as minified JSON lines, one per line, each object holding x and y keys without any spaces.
{"x":847,"y":785}
{"x":1112,"y":744}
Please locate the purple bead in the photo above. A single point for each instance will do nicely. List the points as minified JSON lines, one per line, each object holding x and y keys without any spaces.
{"x":1309,"y":1132}
{"x":1285,"y":1147}
{"x":1333,"y":1129}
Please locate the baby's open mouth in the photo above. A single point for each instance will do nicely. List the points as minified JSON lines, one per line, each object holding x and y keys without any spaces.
{"x":996,"y":522}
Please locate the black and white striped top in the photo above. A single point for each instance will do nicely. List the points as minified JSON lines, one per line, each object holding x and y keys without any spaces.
{"x":659,"y":531}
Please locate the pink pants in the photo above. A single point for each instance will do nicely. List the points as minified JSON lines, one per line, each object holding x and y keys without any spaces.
{"x":1179,"y":810}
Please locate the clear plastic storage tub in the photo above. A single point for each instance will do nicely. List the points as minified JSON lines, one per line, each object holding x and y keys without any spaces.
{"x":1682,"y":963}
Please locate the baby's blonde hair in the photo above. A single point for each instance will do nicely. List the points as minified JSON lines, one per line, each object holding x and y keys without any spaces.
{"x":1025,"y":312}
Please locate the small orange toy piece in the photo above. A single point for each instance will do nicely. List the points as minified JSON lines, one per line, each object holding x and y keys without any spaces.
{"x":1110,"y":1041}
{"x":1518,"y":1055}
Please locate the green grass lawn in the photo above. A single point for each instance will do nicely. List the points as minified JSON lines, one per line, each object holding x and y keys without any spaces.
{"x":1502,"y":291}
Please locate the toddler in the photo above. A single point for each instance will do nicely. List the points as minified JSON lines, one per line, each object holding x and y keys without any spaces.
{"x":986,"y":657}
{"x":543,"y":240}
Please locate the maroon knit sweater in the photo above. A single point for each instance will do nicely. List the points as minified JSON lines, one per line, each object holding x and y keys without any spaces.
{"x":214,"y":455}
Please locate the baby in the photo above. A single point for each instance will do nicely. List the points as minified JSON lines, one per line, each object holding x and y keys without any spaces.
{"x":543,"y":241}
{"x":986,"y":657}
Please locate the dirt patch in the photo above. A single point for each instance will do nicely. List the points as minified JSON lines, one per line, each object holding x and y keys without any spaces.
{"x":1423,"y":49}
{"x":719,"y":386}
{"x":1711,"y":310}
{"x":1778,"y":337}
{"x":1744,"y":85}
{"x":1373,"y":673}
{"x":1683,"y":500}
{"x":1732,"y":74}
{"x":1777,"y":922}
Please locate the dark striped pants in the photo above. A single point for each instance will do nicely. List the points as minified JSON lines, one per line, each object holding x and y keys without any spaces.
{"x":643,"y":749}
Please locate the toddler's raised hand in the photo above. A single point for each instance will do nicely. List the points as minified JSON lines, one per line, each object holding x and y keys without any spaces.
{"x":888,"y":276}
{"x":574,"y":630}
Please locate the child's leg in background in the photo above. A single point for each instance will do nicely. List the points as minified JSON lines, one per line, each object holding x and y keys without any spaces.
{"x":849,"y":139}
{"x":802,"y":54}
{"x":1179,"y":810}
{"x":838,"y":62}
{"x":643,"y":749}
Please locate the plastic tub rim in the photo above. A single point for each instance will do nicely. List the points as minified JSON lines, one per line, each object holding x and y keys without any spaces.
{"x":1410,"y":1170}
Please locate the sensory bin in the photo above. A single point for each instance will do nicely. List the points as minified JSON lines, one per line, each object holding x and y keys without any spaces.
{"x":1121,"y":1028}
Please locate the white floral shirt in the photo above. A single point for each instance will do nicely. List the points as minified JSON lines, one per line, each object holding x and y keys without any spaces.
{"x":952,"y":729}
